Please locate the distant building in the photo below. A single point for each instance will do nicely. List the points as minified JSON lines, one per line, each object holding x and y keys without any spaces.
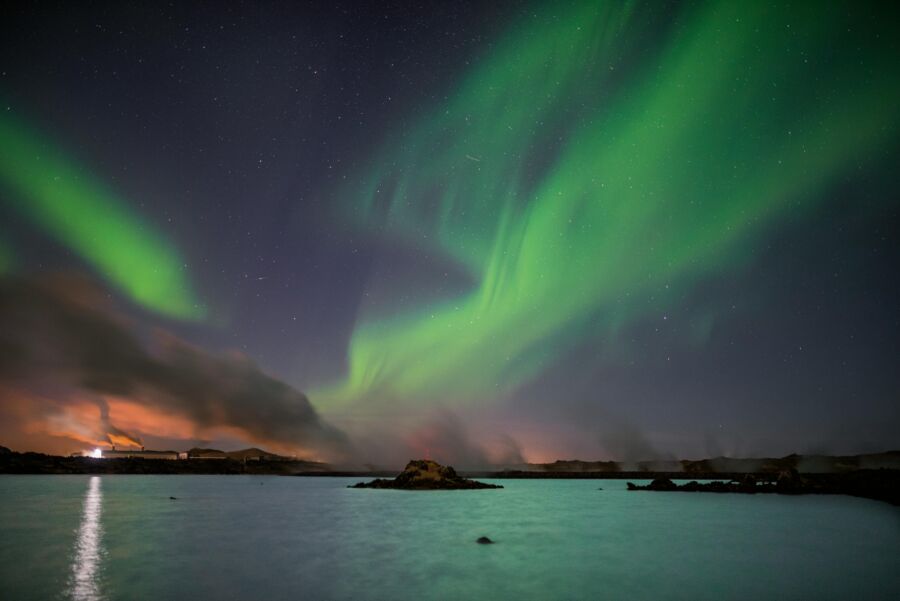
{"x":141,"y":454}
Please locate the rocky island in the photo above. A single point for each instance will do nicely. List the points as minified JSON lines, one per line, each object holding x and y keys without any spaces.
{"x":424,"y":474}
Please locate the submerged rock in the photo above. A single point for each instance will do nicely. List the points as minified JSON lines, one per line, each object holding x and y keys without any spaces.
{"x":424,"y":474}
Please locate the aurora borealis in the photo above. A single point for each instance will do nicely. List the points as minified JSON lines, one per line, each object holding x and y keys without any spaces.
{"x":63,"y":199}
{"x":550,"y":222}
{"x":642,"y":189}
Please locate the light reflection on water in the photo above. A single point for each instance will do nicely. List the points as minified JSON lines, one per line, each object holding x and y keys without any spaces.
{"x":84,"y":585}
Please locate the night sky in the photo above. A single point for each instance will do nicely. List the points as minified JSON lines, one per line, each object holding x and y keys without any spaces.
{"x":486,"y":232}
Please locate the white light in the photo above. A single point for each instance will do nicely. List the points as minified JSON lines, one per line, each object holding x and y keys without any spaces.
{"x":97,"y":454}
{"x":84,"y":582}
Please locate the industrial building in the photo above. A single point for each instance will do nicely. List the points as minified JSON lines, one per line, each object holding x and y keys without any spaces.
{"x":139,"y":454}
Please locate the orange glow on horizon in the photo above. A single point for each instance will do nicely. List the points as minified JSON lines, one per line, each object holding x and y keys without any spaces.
{"x":73,"y":424}
{"x":133,"y":416}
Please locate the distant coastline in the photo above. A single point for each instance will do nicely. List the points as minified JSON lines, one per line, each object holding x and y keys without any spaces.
{"x":870,"y":476}
{"x":237,"y":463}
{"x":257,"y":461}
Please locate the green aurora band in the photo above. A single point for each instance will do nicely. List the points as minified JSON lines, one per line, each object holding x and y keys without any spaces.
{"x":578,"y":172}
{"x":59,"y":197}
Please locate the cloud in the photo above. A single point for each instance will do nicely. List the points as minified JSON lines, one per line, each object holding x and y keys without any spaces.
{"x":445,"y":438}
{"x":63,"y":330}
{"x":626,"y":443}
{"x":388,"y":441}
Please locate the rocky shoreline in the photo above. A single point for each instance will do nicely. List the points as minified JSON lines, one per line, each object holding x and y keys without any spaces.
{"x":881,"y":485}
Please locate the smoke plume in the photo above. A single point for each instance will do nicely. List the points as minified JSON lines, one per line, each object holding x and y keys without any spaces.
{"x":65,"y":330}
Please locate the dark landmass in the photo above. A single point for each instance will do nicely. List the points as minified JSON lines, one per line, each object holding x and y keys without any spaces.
{"x":874,"y":476}
{"x":805,"y":464}
{"x":424,"y":474}
{"x":881,"y":484}
{"x":38,"y":463}
{"x":251,"y":454}
{"x":255,"y":454}
{"x":203,"y":453}
{"x":704,"y":469}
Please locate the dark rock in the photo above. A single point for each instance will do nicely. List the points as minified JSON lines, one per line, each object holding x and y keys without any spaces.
{"x":424,"y":474}
{"x":748,"y":484}
{"x":789,"y":482}
{"x":663,"y":484}
{"x":883,"y":485}
{"x":173,"y":499}
{"x":483,"y":540}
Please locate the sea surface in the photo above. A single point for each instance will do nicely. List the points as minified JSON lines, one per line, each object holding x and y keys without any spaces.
{"x":272,"y":538}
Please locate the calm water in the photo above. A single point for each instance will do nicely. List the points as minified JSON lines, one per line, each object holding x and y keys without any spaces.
{"x":236,"y":537}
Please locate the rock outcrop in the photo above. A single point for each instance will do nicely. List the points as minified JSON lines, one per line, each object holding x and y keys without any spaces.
{"x":424,"y":474}
{"x":747,"y":485}
{"x":882,"y":484}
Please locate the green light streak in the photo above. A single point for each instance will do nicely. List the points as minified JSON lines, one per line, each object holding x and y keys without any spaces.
{"x":59,"y":197}
{"x":572,"y":197}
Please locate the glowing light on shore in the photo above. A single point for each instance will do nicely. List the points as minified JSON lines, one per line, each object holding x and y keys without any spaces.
{"x":97,"y":454}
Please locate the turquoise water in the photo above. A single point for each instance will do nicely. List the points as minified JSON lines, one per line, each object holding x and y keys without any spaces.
{"x":272,"y":538}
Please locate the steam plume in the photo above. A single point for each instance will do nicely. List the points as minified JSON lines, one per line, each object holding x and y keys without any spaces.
{"x":65,"y":330}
